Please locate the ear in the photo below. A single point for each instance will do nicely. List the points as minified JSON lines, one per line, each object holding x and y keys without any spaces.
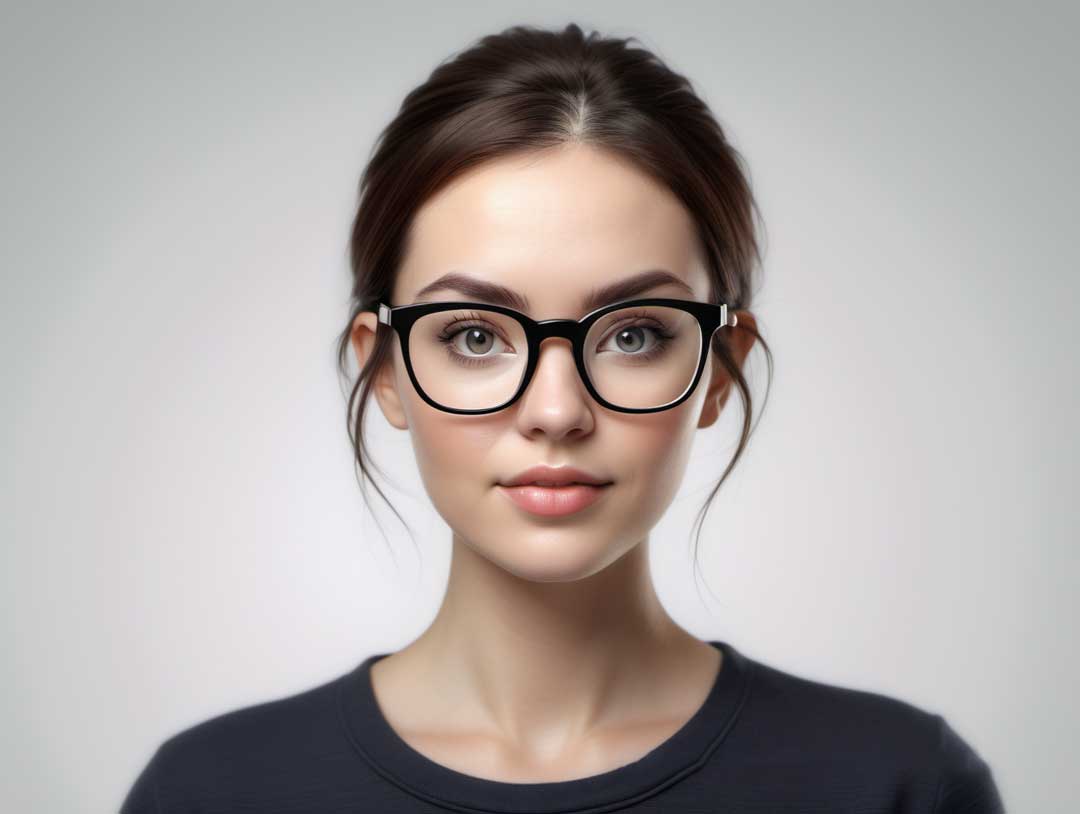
{"x":384,"y":384}
{"x":720,"y":382}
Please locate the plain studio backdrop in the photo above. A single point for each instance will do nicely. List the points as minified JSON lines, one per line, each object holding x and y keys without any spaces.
{"x":182,"y":530}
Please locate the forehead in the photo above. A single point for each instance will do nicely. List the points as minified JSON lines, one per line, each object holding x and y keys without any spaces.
{"x":553,"y":226}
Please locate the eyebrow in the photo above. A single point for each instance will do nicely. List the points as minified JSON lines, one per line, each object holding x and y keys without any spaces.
{"x":623,"y":289}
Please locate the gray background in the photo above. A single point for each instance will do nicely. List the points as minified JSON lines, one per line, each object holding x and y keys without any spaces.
{"x":182,"y":534}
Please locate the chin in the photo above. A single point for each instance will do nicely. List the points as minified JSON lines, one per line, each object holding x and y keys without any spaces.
{"x":547,"y":555}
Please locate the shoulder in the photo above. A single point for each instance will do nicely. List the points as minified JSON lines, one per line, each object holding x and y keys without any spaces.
{"x":844,"y":717}
{"x":261,"y":729}
{"x":239,"y":749}
{"x":879,"y":735}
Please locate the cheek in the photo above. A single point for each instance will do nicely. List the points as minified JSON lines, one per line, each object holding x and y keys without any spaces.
{"x":453,"y":455}
{"x":655,"y":452}
{"x":450,"y":450}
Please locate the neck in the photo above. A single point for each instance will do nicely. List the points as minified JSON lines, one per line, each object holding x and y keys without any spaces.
{"x":544,"y":663}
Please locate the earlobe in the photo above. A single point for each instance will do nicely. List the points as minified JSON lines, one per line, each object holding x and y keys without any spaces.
{"x":715,"y":398}
{"x":384,"y":383}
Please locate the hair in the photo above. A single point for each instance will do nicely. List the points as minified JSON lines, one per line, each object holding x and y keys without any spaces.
{"x":529,"y":89}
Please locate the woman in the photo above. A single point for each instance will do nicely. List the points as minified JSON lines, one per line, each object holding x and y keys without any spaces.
{"x":553,"y":260}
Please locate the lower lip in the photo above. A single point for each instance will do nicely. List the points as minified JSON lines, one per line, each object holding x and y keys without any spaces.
{"x":554,"y":501}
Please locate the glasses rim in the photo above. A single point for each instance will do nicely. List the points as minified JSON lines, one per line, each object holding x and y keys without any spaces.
{"x":709,"y":317}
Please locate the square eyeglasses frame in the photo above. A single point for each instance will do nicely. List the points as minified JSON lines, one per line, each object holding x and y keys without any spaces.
{"x":710,"y":316}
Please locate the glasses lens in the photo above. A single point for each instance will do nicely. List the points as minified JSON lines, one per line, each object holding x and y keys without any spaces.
{"x":638,"y":357}
{"x":643,"y":356}
{"x":468,"y":359}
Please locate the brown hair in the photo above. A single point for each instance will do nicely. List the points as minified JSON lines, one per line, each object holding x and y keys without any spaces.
{"x":528,"y":89}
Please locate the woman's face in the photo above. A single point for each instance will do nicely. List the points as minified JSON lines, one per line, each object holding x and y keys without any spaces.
{"x":551,"y":227}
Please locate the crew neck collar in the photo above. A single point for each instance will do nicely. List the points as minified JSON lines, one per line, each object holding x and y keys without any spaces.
{"x":675,"y":758}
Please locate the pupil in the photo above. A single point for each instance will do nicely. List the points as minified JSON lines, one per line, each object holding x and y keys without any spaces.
{"x":627,"y":331}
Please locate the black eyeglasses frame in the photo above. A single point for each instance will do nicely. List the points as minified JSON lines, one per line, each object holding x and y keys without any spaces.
{"x":401,"y":319}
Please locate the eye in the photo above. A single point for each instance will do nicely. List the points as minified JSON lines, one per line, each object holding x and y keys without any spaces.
{"x":470,"y":337}
{"x":475,"y":339}
{"x":637,"y":339}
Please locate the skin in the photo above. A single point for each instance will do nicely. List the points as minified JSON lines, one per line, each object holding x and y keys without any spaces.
{"x":551,"y":657}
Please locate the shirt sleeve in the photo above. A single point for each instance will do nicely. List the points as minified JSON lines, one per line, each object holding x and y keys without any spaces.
{"x":142,"y":796}
{"x":966,"y":784}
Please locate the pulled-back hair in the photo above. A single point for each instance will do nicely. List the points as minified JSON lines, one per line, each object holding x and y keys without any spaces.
{"x":529,"y":89}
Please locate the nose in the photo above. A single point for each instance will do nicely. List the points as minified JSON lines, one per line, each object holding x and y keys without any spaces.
{"x":556,"y":402}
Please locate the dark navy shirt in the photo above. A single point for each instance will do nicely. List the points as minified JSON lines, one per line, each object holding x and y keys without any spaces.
{"x":764,"y":741}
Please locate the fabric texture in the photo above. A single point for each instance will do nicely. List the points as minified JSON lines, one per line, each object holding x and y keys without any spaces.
{"x":763,"y":741}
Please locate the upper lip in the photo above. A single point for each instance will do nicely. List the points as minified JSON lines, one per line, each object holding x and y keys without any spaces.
{"x":556,"y":475}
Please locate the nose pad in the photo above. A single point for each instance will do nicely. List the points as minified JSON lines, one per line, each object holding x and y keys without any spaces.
{"x":567,"y":351}
{"x":569,"y":366}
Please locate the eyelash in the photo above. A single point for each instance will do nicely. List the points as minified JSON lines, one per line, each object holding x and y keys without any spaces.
{"x":446,"y":336}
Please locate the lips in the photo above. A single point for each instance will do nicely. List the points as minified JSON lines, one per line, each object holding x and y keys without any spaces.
{"x":554,"y":501}
{"x":554,"y":490}
{"x":555,"y":483}
{"x":552,"y":476}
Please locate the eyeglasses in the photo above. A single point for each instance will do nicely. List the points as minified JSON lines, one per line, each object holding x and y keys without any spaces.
{"x":635,"y":356}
